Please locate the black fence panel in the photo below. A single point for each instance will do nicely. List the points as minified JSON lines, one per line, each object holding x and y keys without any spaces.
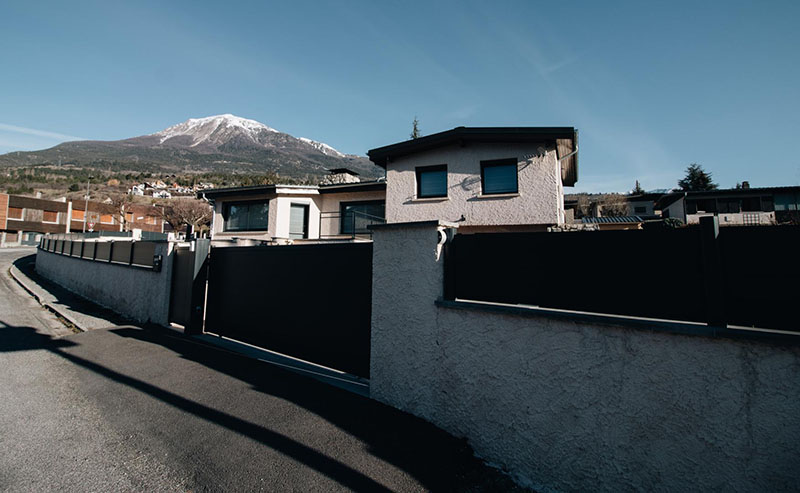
{"x":761,"y":275}
{"x":308,"y":301}
{"x":646,"y":273}
{"x":143,"y":253}
{"x":103,"y":251}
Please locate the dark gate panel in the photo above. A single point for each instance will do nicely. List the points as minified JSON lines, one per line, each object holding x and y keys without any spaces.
{"x":187,"y":296}
{"x":313,"y":302}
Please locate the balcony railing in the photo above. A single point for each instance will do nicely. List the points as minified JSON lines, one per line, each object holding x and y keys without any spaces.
{"x":351,"y":224}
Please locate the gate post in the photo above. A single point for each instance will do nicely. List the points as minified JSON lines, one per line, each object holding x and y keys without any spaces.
{"x":712,"y":272}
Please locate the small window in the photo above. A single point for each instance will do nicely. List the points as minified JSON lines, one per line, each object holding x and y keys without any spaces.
{"x":499,"y":176}
{"x":298,"y":221}
{"x":432,"y":181}
{"x":246,"y":216}
{"x":640,"y":210}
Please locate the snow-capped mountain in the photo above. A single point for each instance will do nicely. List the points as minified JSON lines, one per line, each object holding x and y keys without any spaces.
{"x":216,"y":143}
{"x":216,"y":129}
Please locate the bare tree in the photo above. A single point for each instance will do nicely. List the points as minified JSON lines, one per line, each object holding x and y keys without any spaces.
{"x":119,"y":205}
{"x":614,"y":205}
{"x":180,"y":212}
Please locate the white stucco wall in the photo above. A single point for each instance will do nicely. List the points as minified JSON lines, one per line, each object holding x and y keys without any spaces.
{"x":577,"y":406}
{"x":732,"y":219}
{"x":139,"y":294}
{"x":540,"y":199}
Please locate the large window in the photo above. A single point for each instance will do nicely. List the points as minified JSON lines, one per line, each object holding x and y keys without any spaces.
{"x":246,"y":216}
{"x":432,"y":181}
{"x":357,"y":216}
{"x":499,"y":176}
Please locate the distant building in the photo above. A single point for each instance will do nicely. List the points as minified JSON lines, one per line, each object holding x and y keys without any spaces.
{"x":740,"y":206}
{"x":24,"y":219}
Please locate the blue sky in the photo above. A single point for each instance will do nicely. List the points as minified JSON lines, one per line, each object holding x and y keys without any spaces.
{"x":652,"y":86}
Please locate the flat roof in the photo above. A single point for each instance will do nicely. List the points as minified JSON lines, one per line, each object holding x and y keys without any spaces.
{"x":364,"y":186}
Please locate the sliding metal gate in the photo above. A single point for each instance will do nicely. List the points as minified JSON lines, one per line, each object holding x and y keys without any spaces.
{"x":309,"y":301}
{"x":187,"y":296}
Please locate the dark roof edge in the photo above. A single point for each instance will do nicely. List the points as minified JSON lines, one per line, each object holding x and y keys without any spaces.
{"x":381,"y":155}
{"x":364,"y":186}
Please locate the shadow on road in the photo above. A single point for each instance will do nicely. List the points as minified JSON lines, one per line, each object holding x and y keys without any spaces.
{"x":432,"y":457}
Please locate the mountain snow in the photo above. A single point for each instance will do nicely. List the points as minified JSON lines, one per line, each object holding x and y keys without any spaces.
{"x":321,"y":147}
{"x":216,"y":130}
{"x":202,"y":129}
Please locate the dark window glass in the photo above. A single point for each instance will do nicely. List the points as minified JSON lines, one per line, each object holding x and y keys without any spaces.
{"x":246,"y":216}
{"x":766,"y":204}
{"x":729,"y":205}
{"x":640,"y":209}
{"x":499,"y":176}
{"x":691,"y":207}
{"x":707,"y":205}
{"x":751,"y":204}
{"x":357,"y":216}
{"x":432,"y":181}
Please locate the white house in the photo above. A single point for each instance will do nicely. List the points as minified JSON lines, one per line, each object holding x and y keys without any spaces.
{"x":277,"y":213}
{"x":487,"y":179}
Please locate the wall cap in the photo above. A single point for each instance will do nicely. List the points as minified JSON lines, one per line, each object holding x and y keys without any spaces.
{"x":641,"y":323}
{"x":413,"y":224}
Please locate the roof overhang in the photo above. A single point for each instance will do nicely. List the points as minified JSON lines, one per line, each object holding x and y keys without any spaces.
{"x":565,"y":138}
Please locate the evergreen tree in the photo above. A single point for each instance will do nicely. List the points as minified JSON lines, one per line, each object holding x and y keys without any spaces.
{"x":637,"y":190}
{"x":697,"y":179}
{"x":415,"y":129}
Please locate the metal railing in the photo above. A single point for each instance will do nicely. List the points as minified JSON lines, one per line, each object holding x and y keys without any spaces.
{"x":141,"y":254}
{"x":351,"y":224}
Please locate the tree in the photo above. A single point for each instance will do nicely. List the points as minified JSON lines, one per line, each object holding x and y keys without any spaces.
{"x":637,"y":190}
{"x":614,"y":205}
{"x":697,"y":179}
{"x":180,"y":212}
{"x":415,"y":129}
{"x":120,"y":204}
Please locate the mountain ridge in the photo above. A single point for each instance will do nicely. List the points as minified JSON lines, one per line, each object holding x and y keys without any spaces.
{"x":218,"y":143}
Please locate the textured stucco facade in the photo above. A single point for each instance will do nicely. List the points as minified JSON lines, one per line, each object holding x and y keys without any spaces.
{"x":139,"y":294}
{"x":540,"y":199}
{"x":579,"y":406}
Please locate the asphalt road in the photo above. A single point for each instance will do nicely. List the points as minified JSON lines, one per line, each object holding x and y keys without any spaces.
{"x":127,"y":408}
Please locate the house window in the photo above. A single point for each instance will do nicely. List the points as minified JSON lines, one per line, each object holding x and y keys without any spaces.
{"x":298,"y":221}
{"x":432,"y":181}
{"x":246,"y":216}
{"x":357,"y":216}
{"x":640,"y":209}
{"x":499,"y":176}
{"x":15,"y":213}
{"x":106,"y":219}
{"x":49,"y":216}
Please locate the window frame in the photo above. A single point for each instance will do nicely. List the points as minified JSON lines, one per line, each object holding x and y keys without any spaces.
{"x":306,"y":217}
{"x":496,"y":163}
{"x":419,"y":170}
{"x":226,"y":207}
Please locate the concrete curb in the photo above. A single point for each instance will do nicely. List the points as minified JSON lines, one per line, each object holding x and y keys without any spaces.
{"x":17,"y":276}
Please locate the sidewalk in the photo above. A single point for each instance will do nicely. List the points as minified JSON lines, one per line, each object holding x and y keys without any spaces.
{"x":84,"y":315}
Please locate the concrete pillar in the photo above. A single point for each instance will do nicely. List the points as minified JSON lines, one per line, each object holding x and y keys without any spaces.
{"x":69,"y":216}
{"x":407,"y":279}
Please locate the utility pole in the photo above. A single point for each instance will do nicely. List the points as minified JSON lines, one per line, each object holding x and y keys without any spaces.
{"x":86,"y":207}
